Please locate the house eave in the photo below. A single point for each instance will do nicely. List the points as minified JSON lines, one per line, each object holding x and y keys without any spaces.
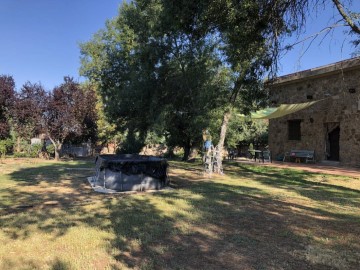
{"x":322,"y":71}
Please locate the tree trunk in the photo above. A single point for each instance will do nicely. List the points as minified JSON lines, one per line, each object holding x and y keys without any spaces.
{"x":57,"y":153}
{"x":187,"y":149}
{"x":18,"y":141}
{"x":170,"y":152}
{"x":57,"y":148}
{"x":220,"y":146}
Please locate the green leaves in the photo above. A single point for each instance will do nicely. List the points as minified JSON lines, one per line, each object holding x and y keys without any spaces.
{"x":153,"y":75}
{"x":174,"y":67}
{"x":5,"y":146}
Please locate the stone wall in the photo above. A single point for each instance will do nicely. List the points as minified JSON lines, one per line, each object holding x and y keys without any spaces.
{"x":337,"y":105}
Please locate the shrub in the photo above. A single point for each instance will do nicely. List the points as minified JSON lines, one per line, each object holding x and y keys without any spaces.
{"x":21,"y":155}
{"x":50,"y":149}
{"x":5,"y":147}
{"x":34,"y":150}
{"x":2,"y":148}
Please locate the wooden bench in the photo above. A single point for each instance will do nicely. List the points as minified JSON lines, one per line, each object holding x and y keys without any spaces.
{"x":297,"y":155}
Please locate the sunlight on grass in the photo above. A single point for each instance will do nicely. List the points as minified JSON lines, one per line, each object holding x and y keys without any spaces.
{"x":80,"y":248}
{"x":51,"y":219}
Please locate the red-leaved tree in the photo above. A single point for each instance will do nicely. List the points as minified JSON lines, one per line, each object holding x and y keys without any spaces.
{"x":69,"y":108}
{"x":28,"y":110}
{"x":7,"y":91}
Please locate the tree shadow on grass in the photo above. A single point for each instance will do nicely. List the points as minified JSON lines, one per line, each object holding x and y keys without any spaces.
{"x":62,"y":183}
{"x":234,"y":228}
{"x":203,"y":224}
{"x":57,"y":264}
{"x":52,"y":197}
{"x":300,"y":182}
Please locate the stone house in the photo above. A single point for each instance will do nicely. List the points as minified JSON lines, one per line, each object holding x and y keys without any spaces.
{"x":331,"y":126}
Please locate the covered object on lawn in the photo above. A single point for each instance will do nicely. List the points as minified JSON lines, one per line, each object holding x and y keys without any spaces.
{"x":130,"y":172}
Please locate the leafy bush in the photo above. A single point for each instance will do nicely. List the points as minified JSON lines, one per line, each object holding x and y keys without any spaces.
{"x":34,"y":150}
{"x":2,"y":148}
{"x":21,"y":155}
{"x":5,"y":146}
{"x":50,"y":149}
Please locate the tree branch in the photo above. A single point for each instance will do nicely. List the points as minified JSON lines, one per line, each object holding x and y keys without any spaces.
{"x":314,"y":36}
{"x":346,"y":17}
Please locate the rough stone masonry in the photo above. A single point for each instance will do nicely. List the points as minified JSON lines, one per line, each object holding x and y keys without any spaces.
{"x":331,"y":127}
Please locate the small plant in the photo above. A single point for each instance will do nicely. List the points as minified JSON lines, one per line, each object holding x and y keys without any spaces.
{"x":251,"y":147}
{"x":35,"y":149}
{"x":21,"y":155}
{"x":2,"y":149}
{"x":51,"y":150}
{"x":5,"y":146}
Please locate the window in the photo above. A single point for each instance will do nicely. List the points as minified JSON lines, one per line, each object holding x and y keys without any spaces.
{"x":294,"y":129}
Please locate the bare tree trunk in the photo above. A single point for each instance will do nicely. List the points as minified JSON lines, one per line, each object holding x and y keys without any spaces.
{"x":57,"y":148}
{"x":220,"y":146}
{"x":18,"y":141}
{"x":57,"y":152}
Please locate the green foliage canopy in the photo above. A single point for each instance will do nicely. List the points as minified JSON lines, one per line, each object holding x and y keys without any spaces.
{"x":155,"y":77}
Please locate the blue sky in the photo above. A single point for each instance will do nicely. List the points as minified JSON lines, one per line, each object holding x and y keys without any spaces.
{"x":40,"y":38}
{"x":325,"y":49}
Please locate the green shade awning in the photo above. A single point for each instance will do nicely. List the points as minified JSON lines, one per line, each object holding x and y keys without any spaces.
{"x":282,"y":110}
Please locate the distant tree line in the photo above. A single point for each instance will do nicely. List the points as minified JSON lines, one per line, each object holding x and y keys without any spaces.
{"x":73,"y":113}
{"x":65,"y":114}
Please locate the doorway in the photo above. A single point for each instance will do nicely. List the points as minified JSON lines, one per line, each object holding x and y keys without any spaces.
{"x":333,"y":141}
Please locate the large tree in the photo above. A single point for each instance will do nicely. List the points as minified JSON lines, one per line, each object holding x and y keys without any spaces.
{"x":7,"y":92}
{"x":70,"y":111}
{"x":154,"y":76}
{"x":87,"y":115}
{"x":251,"y":33}
{"x":168,"y":52}
{"x":107,"y":134}
{"x":27,"y":112}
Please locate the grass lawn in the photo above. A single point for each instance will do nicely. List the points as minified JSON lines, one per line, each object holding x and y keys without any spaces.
{"x":253,"y":217}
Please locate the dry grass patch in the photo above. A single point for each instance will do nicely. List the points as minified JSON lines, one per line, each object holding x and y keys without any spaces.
{"x":250,"y":218}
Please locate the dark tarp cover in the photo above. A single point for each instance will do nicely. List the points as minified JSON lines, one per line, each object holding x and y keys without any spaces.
{"x":141,"y":169}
